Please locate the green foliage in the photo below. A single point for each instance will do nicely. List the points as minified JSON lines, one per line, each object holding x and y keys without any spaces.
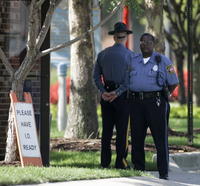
{"x":53,"y":109}
{"x":149,"y":164}
{"x":180,"y":125}
{"x":180,"y":111}
{"x":110,"y":5}
{"x":53,"y":77}
{"x":136,"y":6}
{"x":54,"y":133}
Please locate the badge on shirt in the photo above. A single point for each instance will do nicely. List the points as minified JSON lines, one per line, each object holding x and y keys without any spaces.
{"x":155,"y":68}
{"x":170,"y":69}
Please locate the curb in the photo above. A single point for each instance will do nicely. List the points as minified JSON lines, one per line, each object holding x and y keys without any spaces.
{"x":187,"y":161}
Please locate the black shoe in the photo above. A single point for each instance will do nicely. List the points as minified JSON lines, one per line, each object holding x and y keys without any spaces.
{"x":164,"y":177}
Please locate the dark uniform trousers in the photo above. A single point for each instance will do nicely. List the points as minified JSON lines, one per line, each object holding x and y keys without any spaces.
{"x":146,"y":113}
{"x":114,"y":114}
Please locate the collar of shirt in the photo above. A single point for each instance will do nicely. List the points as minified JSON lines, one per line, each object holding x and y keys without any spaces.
{"x":146,"y":59}
{"x":151,"y":60}
{"x":118,"y":45}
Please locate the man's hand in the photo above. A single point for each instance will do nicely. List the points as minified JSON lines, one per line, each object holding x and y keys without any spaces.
{"x":109,"y":96}
{"x":113,"y":96}
{"x":106,"y":96}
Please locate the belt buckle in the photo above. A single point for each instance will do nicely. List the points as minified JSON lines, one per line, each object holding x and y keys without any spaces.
{"x":132,"y":95}
{"x":141,"y":95}
{"x":157,"y":94}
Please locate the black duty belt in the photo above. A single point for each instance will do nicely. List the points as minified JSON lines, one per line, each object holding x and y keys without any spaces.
{"x":144,"y":95}
{"x":110,"y":86}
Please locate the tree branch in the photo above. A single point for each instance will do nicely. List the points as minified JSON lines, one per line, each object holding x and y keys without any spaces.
{"x":178,"y":20}
{"x":6,"y":63}
{"x":39,"y":4}
{"x":32,"y":34}
{"x":47,"y":23}
{"x":181,"y":21}
{"x":170,"y":39}
{"x":196,"y":33}
{"x":31,"y":26}
{"x":68,"y":43}
{"x":172,"y":7}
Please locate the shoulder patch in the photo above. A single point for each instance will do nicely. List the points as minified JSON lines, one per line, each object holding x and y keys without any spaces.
{"x":170,"y":69}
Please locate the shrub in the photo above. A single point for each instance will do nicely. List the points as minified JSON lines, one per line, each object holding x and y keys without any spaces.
{"x":180,"y":111}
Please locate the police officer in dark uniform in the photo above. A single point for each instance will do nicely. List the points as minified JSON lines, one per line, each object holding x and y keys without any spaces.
{"x":152,"y":75}
{"x":111,"y":78}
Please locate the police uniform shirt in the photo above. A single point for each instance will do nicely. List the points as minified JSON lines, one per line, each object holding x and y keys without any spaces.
{"x":112,"y":63}
{"x":143,"y":76}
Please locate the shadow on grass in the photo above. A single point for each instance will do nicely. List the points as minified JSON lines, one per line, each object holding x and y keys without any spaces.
{"x":90,"y":160}
{"x":75,"y":159}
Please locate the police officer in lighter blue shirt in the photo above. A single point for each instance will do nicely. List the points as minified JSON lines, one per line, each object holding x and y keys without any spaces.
{"x":111,"y":78}
{"x":151,"y":76}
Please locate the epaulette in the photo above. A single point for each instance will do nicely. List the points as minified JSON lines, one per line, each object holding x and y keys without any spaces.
{"x":136,"y":55}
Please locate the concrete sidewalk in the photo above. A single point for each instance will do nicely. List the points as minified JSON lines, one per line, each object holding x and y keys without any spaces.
{"x":175,"y":179}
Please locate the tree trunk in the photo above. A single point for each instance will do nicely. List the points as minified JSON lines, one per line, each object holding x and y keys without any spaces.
{"x":154,"y":15}
{"x":12,"y":153}
{"x":180,"y":65}
{"x":82,"y":118}
{"x":11,"y":142}
{"x":197,"y":80}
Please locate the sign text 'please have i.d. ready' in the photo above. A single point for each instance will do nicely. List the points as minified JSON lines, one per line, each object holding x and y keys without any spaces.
{"x":27,"y":129}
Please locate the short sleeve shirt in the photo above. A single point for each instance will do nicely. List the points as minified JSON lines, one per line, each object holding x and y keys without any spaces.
{"x":153,"y":75}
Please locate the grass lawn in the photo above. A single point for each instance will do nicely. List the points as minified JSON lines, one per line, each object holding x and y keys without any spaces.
{"x":65,"y":166}
{"x":30,"y":175}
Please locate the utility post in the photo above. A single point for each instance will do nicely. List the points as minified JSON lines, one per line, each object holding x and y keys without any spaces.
{"x":62,"y":101}
{"x":190,"y":72}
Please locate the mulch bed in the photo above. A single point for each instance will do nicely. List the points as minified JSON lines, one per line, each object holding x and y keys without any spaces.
{"x":75,"y":144}
{"x":14,"y":163}
{"x":95,"y":145}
